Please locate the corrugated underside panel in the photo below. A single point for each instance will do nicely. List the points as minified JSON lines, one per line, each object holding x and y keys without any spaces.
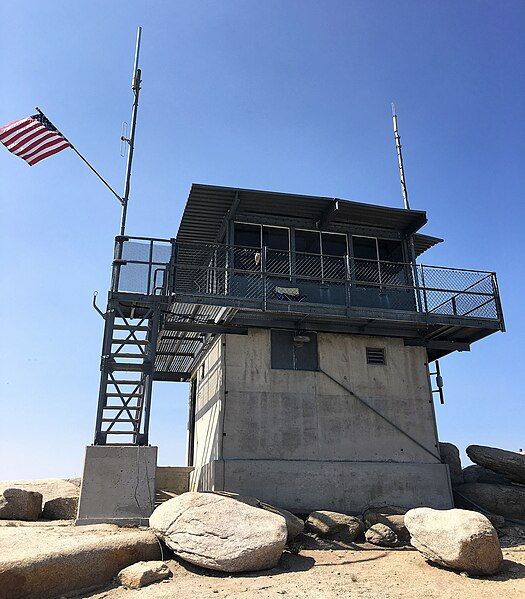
{"x":179,"y":351}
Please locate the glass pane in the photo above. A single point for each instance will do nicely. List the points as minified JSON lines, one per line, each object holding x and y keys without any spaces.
{"x":247,"y":235}
{"x":276,"y":238}
{"x":391,"y":251}
{"x":365,"y":247}
{"x":307,"y":241}
{"x":333,"y":244}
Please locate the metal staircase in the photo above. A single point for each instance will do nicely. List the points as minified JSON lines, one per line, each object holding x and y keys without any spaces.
{"x":128,"y":355}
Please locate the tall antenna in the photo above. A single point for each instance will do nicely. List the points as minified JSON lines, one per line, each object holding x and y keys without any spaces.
{"x":135,"y":86}
{"x":404,"y":191}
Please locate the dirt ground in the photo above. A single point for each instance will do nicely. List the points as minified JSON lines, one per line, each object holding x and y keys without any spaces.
{"x":363,"y":571}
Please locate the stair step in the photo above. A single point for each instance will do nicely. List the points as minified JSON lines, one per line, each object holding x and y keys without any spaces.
{"x":124,"y":394}
{"x":125,"y":327}
{"x":129,"y":367}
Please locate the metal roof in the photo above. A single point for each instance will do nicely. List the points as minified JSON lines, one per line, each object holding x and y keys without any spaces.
{"x":208,"y":205}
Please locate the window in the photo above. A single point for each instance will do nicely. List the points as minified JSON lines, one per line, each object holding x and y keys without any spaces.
{"x":334,"y":244}
{"x":334,"y":249}
{"x":292,"y":350}
{"x":390,"y":251}
{"x":375,"y":355}
{"x":277,"y":242}
{"x":378,"y":260}
{"x":307,"y":241}
{"x":247,"y":235}
{"x":276,"y":238}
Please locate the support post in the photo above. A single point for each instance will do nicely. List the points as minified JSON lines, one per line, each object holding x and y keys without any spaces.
{"x":143,"y":437}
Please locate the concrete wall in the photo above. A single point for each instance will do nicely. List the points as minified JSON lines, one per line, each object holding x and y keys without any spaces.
{"x":173,"y":479}
{"x":208,"y":415}
{"x":300,"y":440}
{"x":283,"y":414}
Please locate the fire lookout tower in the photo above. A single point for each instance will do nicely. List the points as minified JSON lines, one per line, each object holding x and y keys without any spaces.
{"x":305,"y":327}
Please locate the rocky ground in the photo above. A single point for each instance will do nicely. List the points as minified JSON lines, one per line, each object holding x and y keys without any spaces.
{"x":362,"y":572}
{"x":227,"y":545}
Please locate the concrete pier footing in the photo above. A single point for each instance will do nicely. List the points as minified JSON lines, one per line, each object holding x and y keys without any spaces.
{"x":118,"y":485}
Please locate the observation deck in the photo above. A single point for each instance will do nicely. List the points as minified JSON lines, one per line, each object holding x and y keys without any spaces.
{"x":212,"y":288}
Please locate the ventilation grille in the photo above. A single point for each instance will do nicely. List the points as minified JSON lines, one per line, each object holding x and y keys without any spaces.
{"x":375,"y":355}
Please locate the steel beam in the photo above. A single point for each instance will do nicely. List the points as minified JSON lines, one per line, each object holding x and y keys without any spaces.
{"x":176,"y":377}
{"x":200,"y":327}
{"x":439,"y":345}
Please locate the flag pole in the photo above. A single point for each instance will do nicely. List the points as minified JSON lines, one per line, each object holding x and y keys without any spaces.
{"x":135,"y":86}
{"x":83,"y":159}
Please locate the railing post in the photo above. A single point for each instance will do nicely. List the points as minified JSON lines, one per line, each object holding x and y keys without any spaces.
{"x":169,"y":277}
{"x":424,"y":287}
{"x":497,"y":300}
{"x":263,"y":278}
{"x":347,"y":281}
{"x":117,"y":262}
{"x":150,"y":265}
{"x":454,"y":305}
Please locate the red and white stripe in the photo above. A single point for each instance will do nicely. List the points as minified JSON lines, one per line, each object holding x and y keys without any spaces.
{"x":32,"y":140}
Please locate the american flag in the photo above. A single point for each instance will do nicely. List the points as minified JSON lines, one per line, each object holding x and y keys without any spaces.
{"x":33,"y":138}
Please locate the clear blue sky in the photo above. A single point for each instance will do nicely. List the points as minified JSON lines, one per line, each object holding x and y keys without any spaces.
{"x":281,"y":95}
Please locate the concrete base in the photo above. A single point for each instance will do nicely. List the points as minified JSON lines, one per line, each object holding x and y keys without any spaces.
{"x":118,"y":485}
{"x":348,"y":487}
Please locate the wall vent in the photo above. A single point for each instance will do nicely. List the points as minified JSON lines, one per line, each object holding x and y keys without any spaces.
{"x":375,"y":355}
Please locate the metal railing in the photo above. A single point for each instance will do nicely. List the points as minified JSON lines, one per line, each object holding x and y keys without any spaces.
{"x":268,"y":278}
{"x":142,"y":265}
{"x":264,"y":278}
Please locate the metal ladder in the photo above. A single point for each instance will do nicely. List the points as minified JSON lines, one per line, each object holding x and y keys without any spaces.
{"x":127,"y":364}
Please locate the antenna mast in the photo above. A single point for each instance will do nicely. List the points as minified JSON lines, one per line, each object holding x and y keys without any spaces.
{"x":404,"y":191}
{"x":135,"y":86}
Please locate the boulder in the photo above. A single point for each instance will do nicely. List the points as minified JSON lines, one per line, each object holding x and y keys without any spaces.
{"x":509,"y":463}
{"x":44,"y":561}
{"x":479,"y":474}
{"x":60,"y":508}
{"x":19,"y":504}
{"x":143,"y":573}
{"x":60,"y":497}
{"x":380,"y":534}
{"x":450,"y":456}
{"x":391,"y":516}
{"x":334,"y":525}
{"x":220,"y":533}
{"x":457,"y":539}
{"x":294,"y":524}
{"x":505,"y":500}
